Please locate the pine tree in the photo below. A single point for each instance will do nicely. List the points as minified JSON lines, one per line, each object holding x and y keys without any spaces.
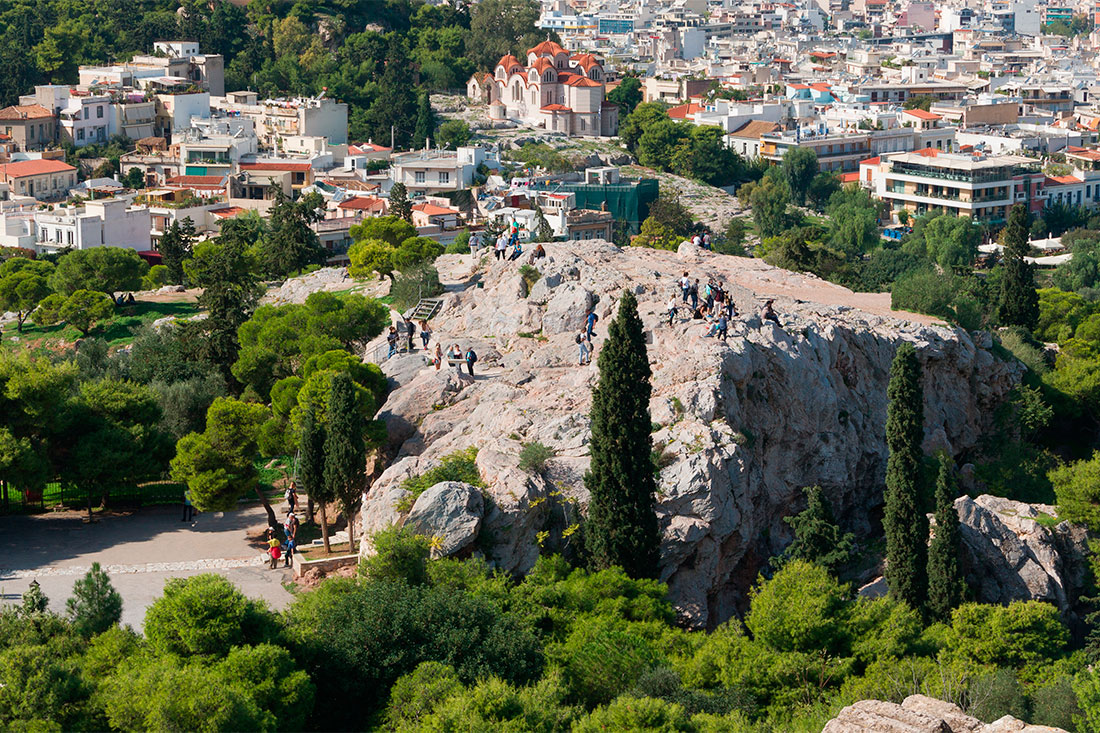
{"x":817,"y":537}
{"x":904,"y":521}
{"x":95,"y":605}
{"x":311,"y":468}
{"x":1019,"y":304}
{"x":399,"y":202}
{"x":175,"y":247}
{"x":622,"y":523}
{"x":345,"y":451}
{"x":945,"y":585}
{"x":425,"y":121}
{"x":34,"y":601}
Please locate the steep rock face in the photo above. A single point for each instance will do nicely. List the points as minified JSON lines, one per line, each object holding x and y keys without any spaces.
{"x":743,"y":425}
{"x":1008,"y":555}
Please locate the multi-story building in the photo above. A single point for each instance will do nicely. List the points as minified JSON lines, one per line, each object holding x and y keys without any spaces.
{"x":430,"y":171}
{"x":170,"y":59}
{"x":276,"y":119}
{"x":45,"y":180}
{"x":554,"y":90}
{"x":85,"y":119}
{"x":131,"y":115}
{"x":30,"y":126}
{"x":967,"y":185}
{"x":100,"y":223}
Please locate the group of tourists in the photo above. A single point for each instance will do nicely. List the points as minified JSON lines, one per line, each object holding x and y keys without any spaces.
{"x":713,"y":305}
{"x":408,"y":332}
{"x":701,"y":240}
{"x":284,"y":548}
{"x":584,"y":338}
{"x":455,"y":356}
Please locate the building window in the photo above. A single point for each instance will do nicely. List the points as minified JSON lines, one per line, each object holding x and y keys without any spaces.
{"x":80,"y":134}
{"x":444,"y":177}
{"x":69,"y":236}
{"x":419,"y":176}
{"x":87,"y":113}
{"x":582,"y":123}
{"x":99,"y":112}
{"x":30,"y":132}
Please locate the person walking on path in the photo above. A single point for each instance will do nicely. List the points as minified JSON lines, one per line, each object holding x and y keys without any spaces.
{"x":723,"y":327}
{"x":585,"y":356}
{"x":425,"y":333}
{"x":471,"y":359}
{"x":291,"y":497}
{"x":290,"y":527}
{"x":274,"y":546}
{"x":391,"y":339}
{"x":671,"y":307}
{"x":590,"y":323}
{"x":188,"y":507}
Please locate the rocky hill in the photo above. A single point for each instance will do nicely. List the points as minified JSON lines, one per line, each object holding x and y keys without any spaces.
{"x":742,"y":425}
{"x":921,"y":714}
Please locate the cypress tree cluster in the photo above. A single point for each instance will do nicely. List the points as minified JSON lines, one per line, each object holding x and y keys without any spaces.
{"x":345,"y":451}
{"x":904,"y":521}
{"x":622,"y":524}
{"x":945,"y":585}
{"x":400,"y":206}
{"x":311,"y":467}
{"x":1019,"y":304}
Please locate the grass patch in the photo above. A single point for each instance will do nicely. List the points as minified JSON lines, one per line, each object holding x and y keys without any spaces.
{"x":117,"y":330}
{"x":1047,"y":520}
{"x":534,"y":456}
{"x":458,"y":466}
{"x":317,"y":552}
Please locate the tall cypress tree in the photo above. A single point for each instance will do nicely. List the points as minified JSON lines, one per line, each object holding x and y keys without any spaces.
{"x":425,"y":121}
{"x":622,"y":523}
{"x":311,"y":468}
{"x":945,"y":585}
{"x":904,"y":521}
{"x":1019,"y":304}
{"x":399,"y":202}
{"x":345,"y":451}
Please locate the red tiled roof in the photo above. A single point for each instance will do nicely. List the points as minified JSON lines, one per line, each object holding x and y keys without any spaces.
{"x":508,"y":62}
{"x":683,"y":111}
{"x":546,"y":47}
{"x":25,"y":168}
{"x":25,"y":112}
{"x":852,"y":177}
{"x":433,"y":210}
{"x":927,"y":152}
{"x":821,"y":87}
{"x":920,"y":114}
{"x":363,"y":203}
{"x":822,"y":54}
{"x":586,"y":61}
{"x":1063,"y":180}
{"x":542,"y":64}
{"x":581,"y":81}
{"x":871,"y":161}
{"x":228,"y":212}
{"x":556,"y":108}
{"x":295,"y":167}
{"x":360,"y":148}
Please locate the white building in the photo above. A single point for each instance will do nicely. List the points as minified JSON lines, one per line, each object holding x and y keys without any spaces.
{"x":86,"y":120}
{"x":429,"y":171}
{"x":277,"y":119}
{"x":102,"y":223}
{"x":176,"y":111}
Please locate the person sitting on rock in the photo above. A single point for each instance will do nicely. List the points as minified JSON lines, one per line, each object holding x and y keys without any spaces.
{"x":767,"y":313}
{"x":516,"y":252}
{"x":539,"y":252}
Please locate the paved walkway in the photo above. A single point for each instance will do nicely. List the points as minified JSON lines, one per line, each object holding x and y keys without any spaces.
{"x":140,"y":552}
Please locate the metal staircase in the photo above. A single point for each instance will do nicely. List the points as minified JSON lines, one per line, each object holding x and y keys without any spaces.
{"x":427,"y":308}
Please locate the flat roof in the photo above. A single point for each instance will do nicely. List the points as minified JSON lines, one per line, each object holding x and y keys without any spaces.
{"x":960,"y":162}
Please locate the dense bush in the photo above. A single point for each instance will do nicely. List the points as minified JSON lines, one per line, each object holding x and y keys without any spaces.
{"x":458,"y":466}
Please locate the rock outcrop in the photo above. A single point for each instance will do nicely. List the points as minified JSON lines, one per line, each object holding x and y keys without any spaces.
{"x":450,"y":513}
{"x":1013,"y":551}
{"x":742,"y":425}
{"x":921,"y":714}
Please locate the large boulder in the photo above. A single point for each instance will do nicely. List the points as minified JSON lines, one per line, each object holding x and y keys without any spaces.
{"x":1013,"y":551}
{"x":566,"y":309}
{"x":921,"y":714}
{"x":450,"y":513}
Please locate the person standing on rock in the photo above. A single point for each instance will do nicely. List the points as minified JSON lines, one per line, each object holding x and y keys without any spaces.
{"x":693,"y":291}
{"x":585,"y":355}
{"x":590,"y":321}
{"x":722,"y":327}
{"x":410,"y":331}
{"x":425,"y":333}
{"x":671,"y":308}
{"x":455,"y":355}
{"x":438,"y":356}
{"x":391,"y":339}
{"x":706,"y":240}
{"x":685,"y":286}
{"x":471,"y":359}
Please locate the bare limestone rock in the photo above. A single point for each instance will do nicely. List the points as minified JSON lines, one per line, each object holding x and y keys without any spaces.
{"x":743,"y":425}
{"x":449,"y":513}
{"x":921,"y":714}
{"x":1008,"y":555}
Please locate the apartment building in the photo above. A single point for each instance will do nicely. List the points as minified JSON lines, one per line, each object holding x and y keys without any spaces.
{"x":30,"y":126}
{"x":276,"y":119}
{"x":86,"y":119}
{"x":180,"y":60}
{"x":100,"y":223}
{"x":45,"y":180}
{"x":962,"y":184}
{"x":431,"y":171}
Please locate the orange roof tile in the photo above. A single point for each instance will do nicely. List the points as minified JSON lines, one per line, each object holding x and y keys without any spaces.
{"x":547,"y":46}
{"x":871,"y":161}
{"x":508,"y":62}
{"x":1063,"y":180}
{"x":542,"y":64}
{"x":24,"y":168}
{"x":362,"y":203}
{"x":683,"y":111}
{"x":228,"y":212}
{"x":433,"y":210}
{"x":25,"y":112}
{"x":556,"y":108}
{"x":580,"y":81}
{"x":920,"y":114}
{"x":852,"y":177}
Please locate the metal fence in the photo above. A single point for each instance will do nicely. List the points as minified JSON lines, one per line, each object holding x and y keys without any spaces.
{"x":58,"y":496}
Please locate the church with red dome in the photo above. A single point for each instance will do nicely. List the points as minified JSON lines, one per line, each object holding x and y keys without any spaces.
{"x":553,"y":90}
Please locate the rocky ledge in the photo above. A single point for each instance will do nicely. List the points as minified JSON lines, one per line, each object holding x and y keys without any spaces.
{"x":921,"y":714}
{"x":742,"y":426}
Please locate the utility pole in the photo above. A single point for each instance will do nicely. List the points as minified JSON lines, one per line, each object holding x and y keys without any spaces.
{"x":391,"y":138}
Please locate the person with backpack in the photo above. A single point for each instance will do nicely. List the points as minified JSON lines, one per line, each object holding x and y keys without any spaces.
{"x":410,"y":331}
{"x":274,"y":548}
{"x":471,"y":359}
{"x":585,"y":356}
{"x":693,"y":291}
{"x":685,"y":286}
{"x":590,"y":322}
{"x":391,"y":339}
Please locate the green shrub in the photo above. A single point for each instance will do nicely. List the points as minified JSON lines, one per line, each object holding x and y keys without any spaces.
{"x":461,"y":245}
{"x":799,"y":609}
{"x":636,"y":714}
{"x":533,"y":457}
{"x":416,"y":694}
{"x":157,"y":277}
{"x":1024,"y":347}
{"x":997,"y":694}
{"x":530,"y":276}
{"x":1055,"y":703}
{"x":458,"y":466}
{"x":412,"y":284}
{"x":604,"y":655}
{"x":400,"y":555}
